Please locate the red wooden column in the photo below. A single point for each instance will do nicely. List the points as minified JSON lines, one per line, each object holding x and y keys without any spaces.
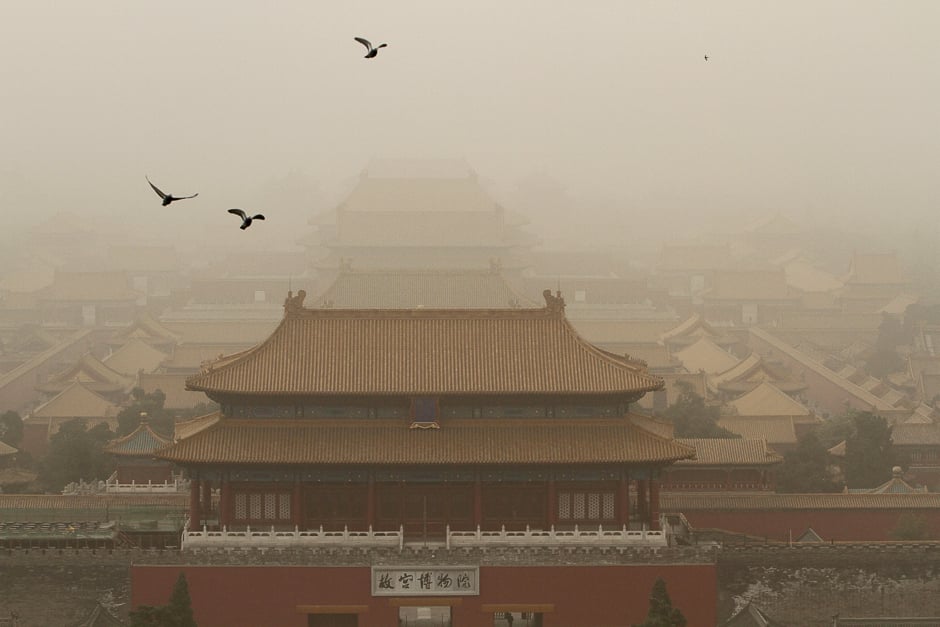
{"x":654,"y":504}
{"x":296,"y":506}
{"x":477,"y":503}
{"x":370,"y":501}
{"x":623,"y":498}
{"x":552,"y":517}
{"x":206,"y":498}
{"x":194,"y":513}
{"x":641,"y":507}
{"x":225,"y":496}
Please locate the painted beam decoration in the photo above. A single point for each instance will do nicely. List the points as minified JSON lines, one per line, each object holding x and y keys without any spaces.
{"x":430,"y":581}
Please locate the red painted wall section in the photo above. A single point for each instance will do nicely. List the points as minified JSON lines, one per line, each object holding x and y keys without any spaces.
{"x":838,"y":525}
{"x":583,"y":596}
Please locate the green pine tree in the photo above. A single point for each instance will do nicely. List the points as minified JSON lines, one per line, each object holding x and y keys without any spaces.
{"x":661,"y":612}
{"x":177,"y":613}
{"x":180,"y":608}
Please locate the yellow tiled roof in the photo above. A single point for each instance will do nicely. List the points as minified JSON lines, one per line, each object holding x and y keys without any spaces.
{"x":729,"y":452}
{"x":135,"y":356}
{"x":694,"y":325}
{"x":776,"y":430}
{"x":187,"y":428}
{"x":75,"y":401}
{"x":473,"y":441}
{"x":705,"y":355}
{"x":92,"y":372}
{"x":767,"y":400}
{"x":425,"y":351}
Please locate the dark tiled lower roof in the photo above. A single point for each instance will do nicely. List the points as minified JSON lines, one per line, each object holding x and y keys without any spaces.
{"x":481,"y":441}
{"x":142,"y":442}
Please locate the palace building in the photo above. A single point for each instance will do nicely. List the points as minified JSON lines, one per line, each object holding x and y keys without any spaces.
{"x":427,"y":466}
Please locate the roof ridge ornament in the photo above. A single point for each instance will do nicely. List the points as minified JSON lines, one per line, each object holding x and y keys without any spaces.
{"x":554,"y":304}
{"x":294,"y":304}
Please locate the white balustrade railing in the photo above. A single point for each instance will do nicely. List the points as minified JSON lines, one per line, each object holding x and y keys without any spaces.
{"x":167,"y":487}
{"x":273,"y":538}
{"x":552,"y":537}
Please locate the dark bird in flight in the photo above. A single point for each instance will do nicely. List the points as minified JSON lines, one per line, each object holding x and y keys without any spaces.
{"x":167,"y":198}
{"x":246,"y":219}
{"x":706,"y":57}
{"x":371,"y":51}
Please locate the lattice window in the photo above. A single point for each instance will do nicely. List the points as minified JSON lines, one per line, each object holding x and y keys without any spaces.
{"x":254,"y":506}
{"x":564,"y":506}
{"x":270,"y":506}
{"x":284,"y":507}
{"x":241,"y":506}
{"x":608,"y":511}
{"x":593,"y":505}
{"x":577,"y":508}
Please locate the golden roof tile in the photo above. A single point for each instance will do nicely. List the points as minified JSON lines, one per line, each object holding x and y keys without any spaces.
{"x":729,"y":452}
{"x":391,"y":442}
{"x":425,"y":352}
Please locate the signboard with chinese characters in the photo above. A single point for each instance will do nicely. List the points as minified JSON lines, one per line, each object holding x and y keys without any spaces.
{"x":430,"y":581}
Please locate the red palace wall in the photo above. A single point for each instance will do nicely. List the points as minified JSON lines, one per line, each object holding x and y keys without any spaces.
{"x":838,"y":525}
{"x":582,"y":596}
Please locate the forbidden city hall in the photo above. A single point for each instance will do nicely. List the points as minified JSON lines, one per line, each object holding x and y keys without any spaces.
{"x":448,"y":467}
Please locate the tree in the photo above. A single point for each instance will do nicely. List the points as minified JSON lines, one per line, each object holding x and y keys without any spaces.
{"x":868,"y":454}
{"x":151,"y":404}
{"x":177,"y":613}
{"x":661,"y":612}
{"x":77,"y":454}
{"x":11,"y":428}
{"x":692,"y":418}
{"x":806,"y":468}
{"x":159,"y":418}
{"x":911,"y":527}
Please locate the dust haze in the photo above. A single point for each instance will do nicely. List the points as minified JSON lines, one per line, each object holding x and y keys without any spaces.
{"x":602,"y":123}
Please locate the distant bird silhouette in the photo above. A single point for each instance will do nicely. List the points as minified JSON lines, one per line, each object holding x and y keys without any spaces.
{"x":167,"y":198}
{"x":706,"y":57}
{"x":371,"y":51}
{"x":246,"y":219}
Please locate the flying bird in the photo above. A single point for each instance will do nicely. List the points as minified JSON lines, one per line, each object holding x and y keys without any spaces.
{"x":167,"y":198}
{"x":371,"y":51}
{"x":706,"y":57}
{"x":246,"y":219}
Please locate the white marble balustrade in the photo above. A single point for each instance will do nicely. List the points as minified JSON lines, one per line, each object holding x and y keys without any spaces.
{"x":272,"y":538}
{"x":551,"y":537}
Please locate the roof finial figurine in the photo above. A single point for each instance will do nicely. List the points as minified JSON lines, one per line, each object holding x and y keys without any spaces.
{"x":295,"y":303}
{"x":554,"y":303}
{"x":246,"y":219}
{"x":371,"y":52}
{"x":167,"y":198}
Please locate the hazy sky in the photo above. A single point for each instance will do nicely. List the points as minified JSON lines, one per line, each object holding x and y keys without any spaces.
{"x":818,"y":108}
